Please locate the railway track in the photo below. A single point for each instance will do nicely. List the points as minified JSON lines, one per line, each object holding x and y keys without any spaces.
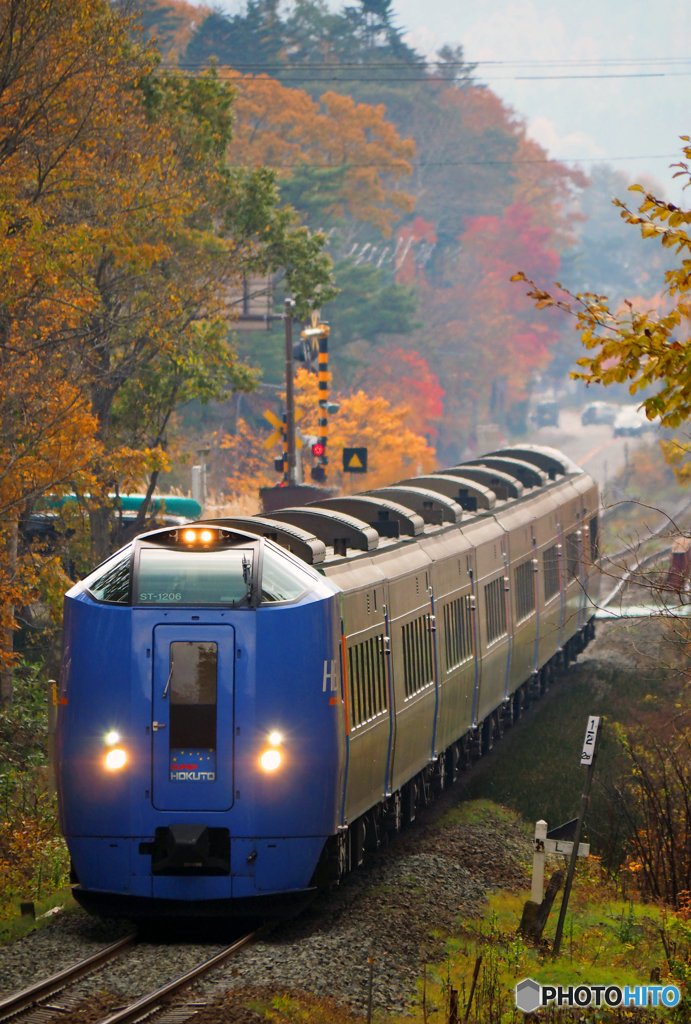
{"x":33,"y":998}
{"x":34,"y":1005}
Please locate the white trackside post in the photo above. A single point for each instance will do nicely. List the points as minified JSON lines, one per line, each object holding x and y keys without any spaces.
{"x":538,"y":883}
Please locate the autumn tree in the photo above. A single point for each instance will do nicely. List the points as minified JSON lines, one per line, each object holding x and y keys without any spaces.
{"x":395,"y":450}
{"x":485,"y":342}
{"x":342,"y":165}
{"x":404,"y":378}
{"x":648,"y":349}
{"x":474,"y":165}
{"x":124,"y":229}
{"x":169,"y":24}
{"x":246,"y":462}
{"x":359,"y":153}
{"x":165,"y":227}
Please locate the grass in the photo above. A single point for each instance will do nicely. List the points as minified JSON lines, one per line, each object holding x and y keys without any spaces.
{"x":538,"y":774}
{"x":13,"y":926}
{"x":607,"y":940}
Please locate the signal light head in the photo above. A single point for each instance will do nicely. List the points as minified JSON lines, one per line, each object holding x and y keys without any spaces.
{"x":317,"y":449}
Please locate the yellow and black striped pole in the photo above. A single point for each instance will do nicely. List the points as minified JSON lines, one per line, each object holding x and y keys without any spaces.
{"x":319,"y":333}
{"x":284,"y":433}
{"x":324,"y":394}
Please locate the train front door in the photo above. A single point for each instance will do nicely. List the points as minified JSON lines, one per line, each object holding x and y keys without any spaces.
{"x":192,"y":719}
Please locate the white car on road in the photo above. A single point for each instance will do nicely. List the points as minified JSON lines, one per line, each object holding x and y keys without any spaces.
{"x":599,"y":412}
{"x":631,"y":422}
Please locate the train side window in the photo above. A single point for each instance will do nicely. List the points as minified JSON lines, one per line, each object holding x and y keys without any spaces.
{"x":458,"y":632}
{"x":495,"y":608}
{"x":525,"y":589}
{"x":111,"y":582}
{"x":572,"y":558}
{"x":594,"y":539}
{"x":367,"y":681}
{"x":550,"y":568}
{"x":418,"y":660}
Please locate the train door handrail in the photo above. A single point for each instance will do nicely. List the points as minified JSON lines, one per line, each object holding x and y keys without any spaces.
{"x":392,"y":708}
{"x":433,"y":631}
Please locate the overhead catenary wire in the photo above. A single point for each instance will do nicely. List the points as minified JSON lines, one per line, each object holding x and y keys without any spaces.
{"x":308,"y":74}
{"x":468,"y":65}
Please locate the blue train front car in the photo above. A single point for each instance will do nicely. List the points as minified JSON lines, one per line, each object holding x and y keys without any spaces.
{"x":201,"y":749}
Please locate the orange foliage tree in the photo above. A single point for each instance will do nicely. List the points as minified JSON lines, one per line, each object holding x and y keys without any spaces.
{"x":170,"y":24}
{"x":370,"y":421}
{"x":123,"y":230}
{"x":246,"y":461}
{"x":405,"y":379}
{"x":395,"y":451}
{"x":285,"y":128}
{"x":485,"y":341}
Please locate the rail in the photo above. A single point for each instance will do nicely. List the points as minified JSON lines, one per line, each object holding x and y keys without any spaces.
{"x":34,"y":994}
{"x":154,"y":1000}
{"x":632,"y":572}
{"x":679,"y":510}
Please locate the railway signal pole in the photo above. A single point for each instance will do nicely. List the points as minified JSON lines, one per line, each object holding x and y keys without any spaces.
{"x":289,"y":462}
{"x":319,"y":333}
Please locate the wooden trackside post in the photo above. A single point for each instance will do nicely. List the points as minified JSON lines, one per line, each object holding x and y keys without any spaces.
{"x":538,"y":881}
{"x":535,"y":915}
{"x":453,"y":1006}
{"x":473,"y":983}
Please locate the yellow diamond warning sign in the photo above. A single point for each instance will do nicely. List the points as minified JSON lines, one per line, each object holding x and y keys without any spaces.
{"x":354,"y":460}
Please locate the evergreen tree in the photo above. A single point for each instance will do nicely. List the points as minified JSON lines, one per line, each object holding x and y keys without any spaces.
{"x":255,"y":37}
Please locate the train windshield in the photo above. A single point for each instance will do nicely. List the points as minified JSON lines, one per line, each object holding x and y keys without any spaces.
{"x":111,"y":581}
{"x":282,"y":578}
{"x":194,"y":577}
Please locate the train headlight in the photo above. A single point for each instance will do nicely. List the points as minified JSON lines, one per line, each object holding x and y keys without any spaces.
{"x":207,"y":536}
{"x":275,"y":739}
{"x":190,"y":536}
{"x":112,"y":738}
{"x":116,"y":758}
{"x":270,"y":760}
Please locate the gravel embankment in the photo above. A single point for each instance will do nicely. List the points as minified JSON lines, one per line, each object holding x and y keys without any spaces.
{"x":67,"y":939}
{"x":396,"y":906}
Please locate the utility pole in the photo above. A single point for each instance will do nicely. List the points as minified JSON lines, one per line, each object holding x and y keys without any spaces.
{"x":590,"y":745}
{"x":289,"y":463}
